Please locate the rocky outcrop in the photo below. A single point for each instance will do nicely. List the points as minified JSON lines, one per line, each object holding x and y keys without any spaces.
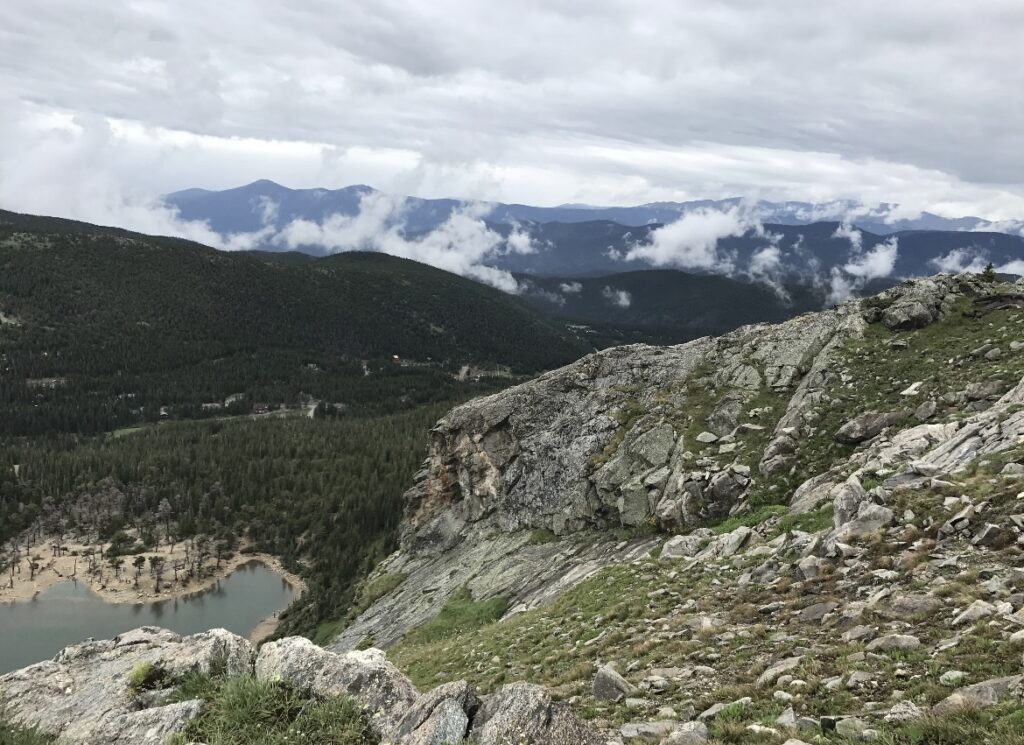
{"x":83,"y":695}
{"x":635,"y":437}
{"x":453,"y":712}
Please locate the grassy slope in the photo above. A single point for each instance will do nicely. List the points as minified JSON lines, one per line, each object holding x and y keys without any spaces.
{"x":662,"y":613}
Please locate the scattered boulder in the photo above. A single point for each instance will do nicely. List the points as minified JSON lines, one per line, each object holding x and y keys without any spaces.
{"x":974,"y":612}
{"x":981,"y":695}
{"x":959,"y":523}
{"x":441,"y":716}
{"x":867,"y":425}
{"x":870,"y":519}
{"x":685,"y":546}
{"x":769,"y":676}
{"x":952,"y":677}
{"x":894,"y":643}
{"x":990,"y":536}
{"x":912,"y":605}
{"x":904,"y":711}
{"x":610,"y":686}
{"x":858,"y":634}
{"x":926,"y":410}
{"x":367,"y":676}
{"x":654,"y":731}
{"x":816,"y":611}
{"x":688,"y":733}
{"x":851,"y":727}
{"x":715,"y":709}
{"x":522,"y":712}
{"x":984,"y":390}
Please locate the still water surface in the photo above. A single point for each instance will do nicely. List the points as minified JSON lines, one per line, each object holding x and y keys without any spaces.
{"x":69,"y":612}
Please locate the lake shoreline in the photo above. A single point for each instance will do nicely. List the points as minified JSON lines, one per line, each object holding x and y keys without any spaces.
{"x":123,"y":590}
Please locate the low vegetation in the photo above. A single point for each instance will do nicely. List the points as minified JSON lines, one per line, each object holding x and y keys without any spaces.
{"x":243,"y":711}
{"x":14,"y":734}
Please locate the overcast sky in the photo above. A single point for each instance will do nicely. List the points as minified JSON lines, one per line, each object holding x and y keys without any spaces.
{"x":108,"y":104}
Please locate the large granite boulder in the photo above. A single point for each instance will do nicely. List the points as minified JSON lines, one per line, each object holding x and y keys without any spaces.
{"x":83,"y":696}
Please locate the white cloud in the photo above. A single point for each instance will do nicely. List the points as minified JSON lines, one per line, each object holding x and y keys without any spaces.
{"x":850,"y":233}
{"x":876,"y":263}
{"x":460,"y":245}
{"x":691,"y":242}
{"x":960,"y":260}
{"x":570,"y":288}
{"x":766,"y":261}
{"x":618,"y":298}
{"x":539,"y":102}
{"x":520,"y":241}
{"x":1012,"y":267}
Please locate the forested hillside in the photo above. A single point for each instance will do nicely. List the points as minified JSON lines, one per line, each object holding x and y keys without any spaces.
{"x":317,"y":381}
{"x":100,"y":328}
{"x":323,"y":494}
{"x":672,"y":305}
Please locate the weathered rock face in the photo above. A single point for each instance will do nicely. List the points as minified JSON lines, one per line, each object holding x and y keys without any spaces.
{"x":82,"y":694}
{"x":600,"y":443}
{"x":450,"y":713}
{"x":379,"y":686}
{"x":868,"y":425}
{"x":611,"y":441}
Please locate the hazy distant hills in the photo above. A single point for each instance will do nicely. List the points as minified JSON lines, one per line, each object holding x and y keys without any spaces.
{"x":242,"y":209}
{"x":803,"y":244}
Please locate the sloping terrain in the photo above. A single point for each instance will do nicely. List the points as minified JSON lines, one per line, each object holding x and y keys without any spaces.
{"x":678,"y":306}
{"x":102,"y":327}
{"x":811,"y":530}
{"x":243,"y":209}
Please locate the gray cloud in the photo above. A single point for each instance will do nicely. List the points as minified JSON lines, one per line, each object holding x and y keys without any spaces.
{"x":616,"y":297}
{"x":541,"y":102}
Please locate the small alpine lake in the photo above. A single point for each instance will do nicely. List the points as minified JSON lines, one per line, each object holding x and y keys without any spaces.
{"x":69,"y":612}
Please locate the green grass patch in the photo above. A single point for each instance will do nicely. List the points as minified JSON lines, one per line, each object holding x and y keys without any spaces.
{"x":809,"y":522}
{"x":328,"y":631}
{"x":541,"y":536}
{"x":1003,"y":725}
{"x":369,"y":592}
{"x":241,"y":711}
{"x":146,"y":676}
{"x":460,"y":614}
{"x":15,"y":734}
{"x":125,"y":431}
{"x":749,"y":519}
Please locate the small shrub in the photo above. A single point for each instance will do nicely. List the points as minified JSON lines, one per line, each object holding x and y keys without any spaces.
{"x":541,"y":536}
{"x":146,"y":676}
{"x":16,"y":734}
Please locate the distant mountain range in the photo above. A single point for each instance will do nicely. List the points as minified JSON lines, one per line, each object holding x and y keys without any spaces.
{"x":780,"y":243}
{"x":243,"y":209}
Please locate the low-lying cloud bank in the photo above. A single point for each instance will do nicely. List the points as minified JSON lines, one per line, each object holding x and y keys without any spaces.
{"x":461,"y":244}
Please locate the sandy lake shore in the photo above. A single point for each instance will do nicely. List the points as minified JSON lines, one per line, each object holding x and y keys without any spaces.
{"x":121,"y":587}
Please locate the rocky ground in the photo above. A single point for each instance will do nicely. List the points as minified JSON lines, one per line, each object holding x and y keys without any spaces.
{"x":836,"y":506}
{"x":136,"y":689}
